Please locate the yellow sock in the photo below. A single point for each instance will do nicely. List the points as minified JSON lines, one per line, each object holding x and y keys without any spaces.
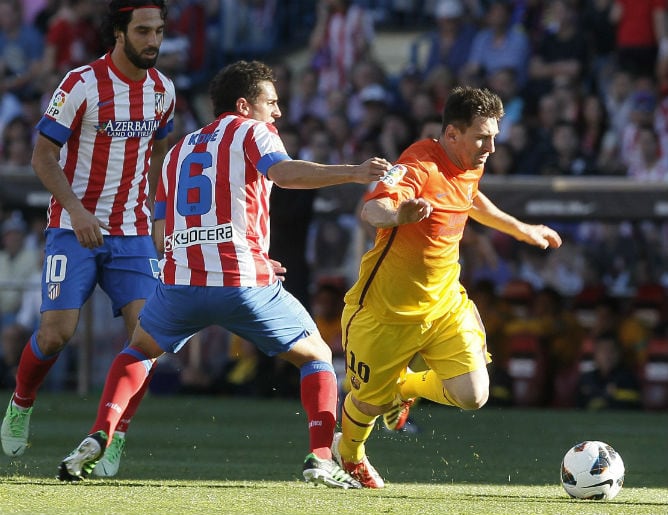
{"x":356,"y":427}
{"x":426,"y":385}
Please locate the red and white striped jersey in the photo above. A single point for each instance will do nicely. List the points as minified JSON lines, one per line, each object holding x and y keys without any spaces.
{"x":214,"y":197}
{"x":106,"y":124}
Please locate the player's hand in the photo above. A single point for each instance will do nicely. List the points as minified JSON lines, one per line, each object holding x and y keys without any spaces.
{"x":372,"y":170}
{"x":87,"y":228}
{"x":279,"y":269}
{"x":541,"y":236}
{"x":413,"y":210}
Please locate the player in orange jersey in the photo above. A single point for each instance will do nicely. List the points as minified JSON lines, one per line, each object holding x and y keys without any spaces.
{"x":408,"y":299}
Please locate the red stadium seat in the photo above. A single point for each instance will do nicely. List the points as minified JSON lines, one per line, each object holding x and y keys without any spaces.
{"x":564,"y":390}
{"x":647,"y":304}
{"x":585,"y":302}
{"x":527,"y":367}
{"x":654,"y":376}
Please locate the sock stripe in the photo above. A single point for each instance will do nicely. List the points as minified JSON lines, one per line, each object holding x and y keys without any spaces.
{"x":313,"y":367}
{"x":356,"y":422}
{"x":131,"y":351}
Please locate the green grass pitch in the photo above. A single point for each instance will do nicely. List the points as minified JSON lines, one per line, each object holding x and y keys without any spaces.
{"x":192,"y":455}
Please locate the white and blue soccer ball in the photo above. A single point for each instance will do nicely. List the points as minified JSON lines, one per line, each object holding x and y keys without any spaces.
{"x":592,"y":470}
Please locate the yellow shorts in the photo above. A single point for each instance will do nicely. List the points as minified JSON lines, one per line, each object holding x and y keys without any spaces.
{"x":376,"y":354}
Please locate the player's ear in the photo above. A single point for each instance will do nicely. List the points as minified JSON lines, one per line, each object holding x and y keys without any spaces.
{"x":243,"y":106}
{"x":451,"y":133}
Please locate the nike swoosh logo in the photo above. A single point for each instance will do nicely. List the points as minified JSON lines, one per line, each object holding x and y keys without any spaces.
{"x":106,"y":102}
{"x":15,"y":451}
{"x":608,"y":482}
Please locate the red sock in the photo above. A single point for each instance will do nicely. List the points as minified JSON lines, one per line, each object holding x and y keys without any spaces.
{"x":134,"y":403}
{"x":319,"y":398}
{"x":33,"y":368}
{"x":125,"y":378}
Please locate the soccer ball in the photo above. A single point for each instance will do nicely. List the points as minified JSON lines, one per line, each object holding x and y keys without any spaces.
{"x":592,"y":470}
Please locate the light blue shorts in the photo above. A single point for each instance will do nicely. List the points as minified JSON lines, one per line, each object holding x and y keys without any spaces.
{"x":269,"y":316}
{"x":125,"y":267}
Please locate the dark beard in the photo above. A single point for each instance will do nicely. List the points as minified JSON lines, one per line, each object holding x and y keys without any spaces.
{"x":136,"y":59}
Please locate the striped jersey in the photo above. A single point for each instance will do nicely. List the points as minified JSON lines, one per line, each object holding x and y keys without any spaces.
{"x":412,"y":272}
{"x":105,"y":124}
{"x":214,"y":196}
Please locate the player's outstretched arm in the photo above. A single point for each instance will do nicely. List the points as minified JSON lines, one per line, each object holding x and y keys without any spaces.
{"x":298,"y":174}
{"x":487,"y":213}
{"x":383,"y":213}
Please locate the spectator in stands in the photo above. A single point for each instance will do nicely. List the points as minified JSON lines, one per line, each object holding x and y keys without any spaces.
{"x":500,"y":44}
{"x":364,"y":74}
{"x":539,"y":133}
{"x":245,"y":28}
{"x":422,"y":107}
{"x":450,"y":43}
{"x":648,"y":163}
{"x":612,"y":315}
{"x":561,"y":51}
{"x":641,"y":29}
{"x":404,"y":87}
{"x":611,"y":384}
{"x":43,"y":16}
{"x":526,"y":154}
{"x":340,"y":133}
{"x":14,"y":334}
{"x":17,"y":146}
{"x":187,"y":21}
{"x":600,"y":43}
{"x":643,"y":112}
{"x":564,"y":156}
{"x":17,"y":265}
{"x":438,"y":83}
{"x":307,"y":99}
{"x":374,"y":100}
{"x":343,"y":35}
{"x":73,"y":37}
{"x":21,"y":50}
{"x":592,"y":123}
{"x":397,"y":131}
{"x":503,"y":82}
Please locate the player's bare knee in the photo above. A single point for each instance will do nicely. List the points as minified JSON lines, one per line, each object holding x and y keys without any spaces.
{"x":470,"y":400}
{"x":476,"y":401}
{"x":52,"y":340}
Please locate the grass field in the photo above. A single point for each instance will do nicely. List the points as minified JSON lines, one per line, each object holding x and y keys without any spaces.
{"x":243,"y":456}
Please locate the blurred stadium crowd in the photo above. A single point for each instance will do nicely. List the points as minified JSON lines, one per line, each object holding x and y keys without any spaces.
{"x":585,"y":89}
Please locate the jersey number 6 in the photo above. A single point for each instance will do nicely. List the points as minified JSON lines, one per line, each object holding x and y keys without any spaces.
{"x":195,"y":192}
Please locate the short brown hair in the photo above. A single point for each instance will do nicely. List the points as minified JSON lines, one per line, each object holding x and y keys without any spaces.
{"x":236,"y":80}
{"x":466,"y":103}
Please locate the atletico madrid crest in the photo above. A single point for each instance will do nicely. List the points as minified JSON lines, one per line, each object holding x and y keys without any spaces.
{"x":53,"y":290}
{"x":159,"y":103}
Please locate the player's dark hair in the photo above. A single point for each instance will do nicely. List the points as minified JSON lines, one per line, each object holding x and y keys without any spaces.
{"x":237,"y":80}
{"x":120,"y":13}
{"x":465,"y":103}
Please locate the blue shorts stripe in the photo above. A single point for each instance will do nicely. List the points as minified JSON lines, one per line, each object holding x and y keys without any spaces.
{"x":148,"y":363}
{"x":313,"y":367}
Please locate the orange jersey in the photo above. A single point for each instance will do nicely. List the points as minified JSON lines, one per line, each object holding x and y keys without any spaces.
{"x":412,"y":272}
